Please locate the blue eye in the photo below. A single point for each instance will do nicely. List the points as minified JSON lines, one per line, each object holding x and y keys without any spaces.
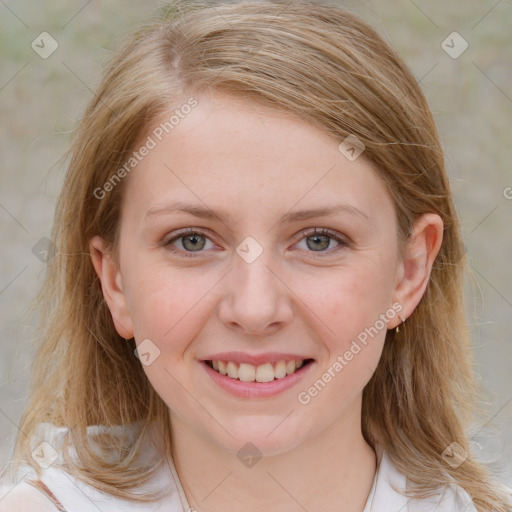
{"x":190,"y":241}
{"x":318,"y":240}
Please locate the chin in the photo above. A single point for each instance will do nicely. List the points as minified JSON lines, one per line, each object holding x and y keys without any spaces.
{"x":260,"y":436}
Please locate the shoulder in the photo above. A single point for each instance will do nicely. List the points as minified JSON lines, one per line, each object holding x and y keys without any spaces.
{"x":450,"y":499}
{"x":390,"y":485}
{"x":24,"y":498}
{"x":59,"y":490}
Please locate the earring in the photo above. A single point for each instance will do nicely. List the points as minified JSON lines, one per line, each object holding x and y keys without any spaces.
{"x":397,"y":328}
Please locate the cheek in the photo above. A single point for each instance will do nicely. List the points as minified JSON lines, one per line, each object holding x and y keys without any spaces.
{"x":335,"y":387}
{"x":163,"y":301}
{"x":351,"y":298}
{"x":355,"y":306}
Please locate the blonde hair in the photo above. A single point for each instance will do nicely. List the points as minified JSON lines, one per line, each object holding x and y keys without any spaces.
{"x":313,"y":60}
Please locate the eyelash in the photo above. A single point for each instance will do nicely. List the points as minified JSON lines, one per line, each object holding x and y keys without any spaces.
{"x":193,"y":231}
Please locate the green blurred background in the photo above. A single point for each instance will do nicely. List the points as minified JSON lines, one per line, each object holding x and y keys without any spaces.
{"x":471,"y":97}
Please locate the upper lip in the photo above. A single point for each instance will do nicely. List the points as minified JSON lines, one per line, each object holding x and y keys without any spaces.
{"x":255,"y":359}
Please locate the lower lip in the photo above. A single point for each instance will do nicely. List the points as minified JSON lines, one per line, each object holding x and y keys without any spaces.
{"x":243,"y":389}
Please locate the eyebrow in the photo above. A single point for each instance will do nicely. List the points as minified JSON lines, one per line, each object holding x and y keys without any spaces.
{"x":207,"y":213}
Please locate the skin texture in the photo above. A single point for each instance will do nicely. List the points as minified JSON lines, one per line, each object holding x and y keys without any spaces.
{"x":299,"y":296}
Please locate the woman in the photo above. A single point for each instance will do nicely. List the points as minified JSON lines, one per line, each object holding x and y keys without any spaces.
{"x":257,"y":288}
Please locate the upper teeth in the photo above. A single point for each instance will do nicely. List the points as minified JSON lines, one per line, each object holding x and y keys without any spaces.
{"x":262,"y":373}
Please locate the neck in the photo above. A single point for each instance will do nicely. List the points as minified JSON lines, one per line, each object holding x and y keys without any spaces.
{"x":333,"y":470}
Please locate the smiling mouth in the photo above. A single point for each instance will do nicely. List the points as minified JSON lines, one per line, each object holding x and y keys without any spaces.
{"x":262,"y":373}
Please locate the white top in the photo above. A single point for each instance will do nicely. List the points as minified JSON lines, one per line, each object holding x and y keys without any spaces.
{"x":76,"y":496}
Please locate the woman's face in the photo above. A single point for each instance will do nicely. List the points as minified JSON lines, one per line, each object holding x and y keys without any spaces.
{"x":291,"y":255}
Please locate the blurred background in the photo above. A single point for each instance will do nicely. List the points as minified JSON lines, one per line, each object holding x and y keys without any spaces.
{"x":51,"y":55}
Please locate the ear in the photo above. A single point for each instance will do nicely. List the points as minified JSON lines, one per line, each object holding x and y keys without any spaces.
{"x":416,"y":264}
{"x":112,"y":286}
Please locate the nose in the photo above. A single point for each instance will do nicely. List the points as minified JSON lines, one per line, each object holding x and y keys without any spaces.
{"x":256,"y":299}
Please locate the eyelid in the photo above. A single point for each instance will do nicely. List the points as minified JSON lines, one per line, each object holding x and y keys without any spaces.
{"x":324,"y":231}
{"x":342,"y":241}
{"x":182,"y":233}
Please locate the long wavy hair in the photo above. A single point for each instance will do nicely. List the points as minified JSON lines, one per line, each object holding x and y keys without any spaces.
{"x":314,"y":60}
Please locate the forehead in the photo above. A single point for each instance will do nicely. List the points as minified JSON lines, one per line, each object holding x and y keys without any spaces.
{"x":236,"y":155}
